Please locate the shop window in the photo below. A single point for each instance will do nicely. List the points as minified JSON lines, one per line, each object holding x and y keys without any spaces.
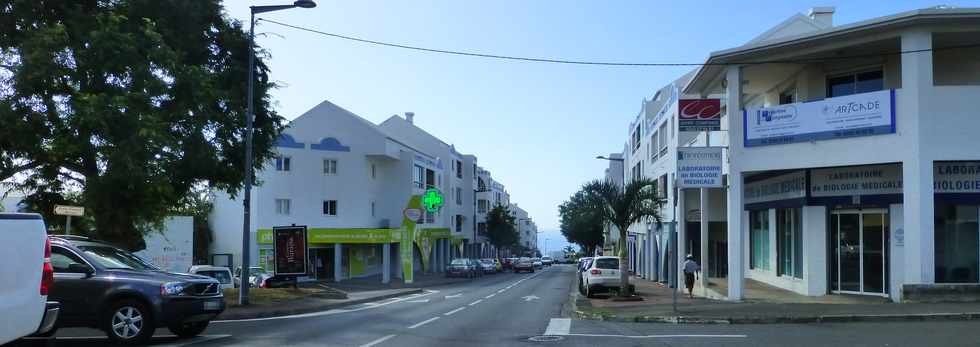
{"x":759,"y":240}
{"x":283,"y":163}
{"x":956,"y":242}
{"x":282,"y":207}
{"x":329,"y":166}
{"x":857,"y":83}
{"x":330,"y":207}
{"x":789,"y":242}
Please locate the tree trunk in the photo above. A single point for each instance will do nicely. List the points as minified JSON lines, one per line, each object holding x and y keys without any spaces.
{"x":624,"y":275}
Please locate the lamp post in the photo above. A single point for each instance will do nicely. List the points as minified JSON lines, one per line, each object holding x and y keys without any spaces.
{"x":249,"y":115}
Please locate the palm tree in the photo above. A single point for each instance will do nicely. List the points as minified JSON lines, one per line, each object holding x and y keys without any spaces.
{"x":622,"y":207}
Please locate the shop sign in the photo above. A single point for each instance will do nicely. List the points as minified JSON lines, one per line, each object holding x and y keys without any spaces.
{"x":841,"y":117}
{"x":782,"y":187}
{"x":412,"y":213}
{"x":433,"y":200}
{"x":699,"y":115}
{"x":956,"y":177}
{"x":699,"y":167}
{"x":290,"y":250}
{"x":324,"y":235}
{"x":856,"y":180}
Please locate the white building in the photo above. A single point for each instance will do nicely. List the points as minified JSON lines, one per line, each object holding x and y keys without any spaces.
{"x":854,"y":166}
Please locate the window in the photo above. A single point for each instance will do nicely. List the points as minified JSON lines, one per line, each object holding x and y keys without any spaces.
{"x":759,"y":239}
{"x":481,"y":206}
{"x":789,"y":242}
{"x":282,"y":163}
{"x":481,"y":228}
{"x":459,"y":196}
{"x":372,"y":209}
{"x":787,"y":97}
{"x":430,"y":217}
{"x":61,"y":258}
{"x":459,"y":169}
{"x":374,"y":171}
{"x":430,"y":178}
{"x":636,"y":138}
{"x":671,"y":127}
{"x":652,"y":147}
{"x":114,"y":258}
{"x":459,"y":223}
{"x":956,"y":242}
{"x":419,"y":177}
{"x":282,"y":207}
{"x":855,"y":83}
{"x":330,"y":207}
{"x":607,"y":263}
{"x":663,"y":139}
{"x":329,"y":166}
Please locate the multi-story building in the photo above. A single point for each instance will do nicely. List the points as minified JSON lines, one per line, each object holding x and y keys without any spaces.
{"x":527,"y":231}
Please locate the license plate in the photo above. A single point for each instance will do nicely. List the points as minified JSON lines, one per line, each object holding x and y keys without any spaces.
{"x":212,"y":305}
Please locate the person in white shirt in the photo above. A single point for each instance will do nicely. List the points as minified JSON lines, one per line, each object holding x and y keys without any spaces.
{"x":691,"y":269}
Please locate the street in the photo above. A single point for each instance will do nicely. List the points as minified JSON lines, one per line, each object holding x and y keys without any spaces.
{"x":522,"y":310}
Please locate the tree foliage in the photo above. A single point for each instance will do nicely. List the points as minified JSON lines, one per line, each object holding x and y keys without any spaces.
{"x":623,"y":207}
{"x":501,"y":228}
{"x":129,"y":104}
{"x":580,"y":223}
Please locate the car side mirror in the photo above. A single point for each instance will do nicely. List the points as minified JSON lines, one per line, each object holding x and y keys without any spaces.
{"x":81,"y":269}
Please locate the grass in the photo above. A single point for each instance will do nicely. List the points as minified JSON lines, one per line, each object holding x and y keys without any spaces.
{"x":267,"y":296}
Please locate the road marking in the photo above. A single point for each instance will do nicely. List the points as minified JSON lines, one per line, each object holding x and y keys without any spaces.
{"x":454,"y":296}
{"x":383,"y":339}
{"x":657,"y":336}
{"x":558,"y":326}
{"x":199,"y":338}
{"x":501,"y":291}
{"x":530,"y":298}
{"x":453,"y":311}
{"x":327,"y":312}
{"x":427,"y":321}
{"x":489,"y":296}
{"x":202,"y":338}
{"x":418,"y":301}
{"x":476,"y":302}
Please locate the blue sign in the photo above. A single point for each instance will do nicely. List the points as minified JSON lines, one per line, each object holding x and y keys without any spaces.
{"x":841,"y":117}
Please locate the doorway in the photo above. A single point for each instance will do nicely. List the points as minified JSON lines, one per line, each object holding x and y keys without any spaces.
{"x":859,"y":251}
{"x":322,"y":263}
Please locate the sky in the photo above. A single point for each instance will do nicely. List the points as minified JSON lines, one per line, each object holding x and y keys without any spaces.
{"x":536,"y":126}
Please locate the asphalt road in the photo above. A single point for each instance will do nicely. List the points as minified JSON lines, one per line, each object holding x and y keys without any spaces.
{"x":518,"y":309}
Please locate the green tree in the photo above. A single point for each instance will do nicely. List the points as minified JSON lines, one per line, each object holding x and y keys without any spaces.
{"x":129,"y":104}
{"x":581,"y":224}
{"x":623,"y":207}
{"x":501,"y":230}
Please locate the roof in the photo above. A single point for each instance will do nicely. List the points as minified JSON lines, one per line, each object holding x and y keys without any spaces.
{"x":754,"y":48}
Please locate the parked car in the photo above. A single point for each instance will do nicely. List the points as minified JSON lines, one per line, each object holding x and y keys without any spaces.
{"x":601,"y":276}
{"x":488,"y":266}
{"x":477,"y":266}
{"x":524,"y":265}
{"x":220,"y":273}
{"x":537,"y":263}
{"x":28,"y":277}
{"x":460,"y":267}
{"x":583,"y":264}
{"x":547,"y":261}
{"x":103,"y":287}
{"x":508,"y":263}
{"x":258,"y":277}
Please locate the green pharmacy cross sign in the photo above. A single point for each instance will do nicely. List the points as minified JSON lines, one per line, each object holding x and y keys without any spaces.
{"x":433,"y":200}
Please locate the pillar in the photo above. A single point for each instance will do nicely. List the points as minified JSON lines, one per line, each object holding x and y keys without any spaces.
{"x":386,"y":263}
{"x":704,"y":236}
{"x":736,"y":270}
{"x":338,"y":257}
{"x":917,"y":195}
{"x":680,"y":250}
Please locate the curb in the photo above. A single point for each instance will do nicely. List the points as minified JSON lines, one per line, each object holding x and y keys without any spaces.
{"x":227,"y":316}
{"x":915,"y":317}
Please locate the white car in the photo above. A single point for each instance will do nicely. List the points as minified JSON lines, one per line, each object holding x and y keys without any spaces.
{"x":27,"y":276}
{"x":220,"y":273}
{"x":547,"y":261}
{"x":537,"y":263}
{"x":601,"y":276}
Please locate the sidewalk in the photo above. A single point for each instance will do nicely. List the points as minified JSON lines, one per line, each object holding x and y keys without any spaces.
{"x":310,"y":304}
{"x":657,"y":307}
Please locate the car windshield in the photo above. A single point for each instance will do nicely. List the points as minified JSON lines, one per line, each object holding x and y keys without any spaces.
{"x":459,"y":262}
{"x":114,"y":258}
{"x":607,"y":263}
{"x":220,"y":275}
{"x":253,"y":271}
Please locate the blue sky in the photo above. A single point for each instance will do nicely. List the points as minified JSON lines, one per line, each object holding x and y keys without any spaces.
{"x":535,"y":126}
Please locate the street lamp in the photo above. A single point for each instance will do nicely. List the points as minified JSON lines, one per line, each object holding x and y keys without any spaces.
{"x":609,"y":159}
{"x":247,"y":203}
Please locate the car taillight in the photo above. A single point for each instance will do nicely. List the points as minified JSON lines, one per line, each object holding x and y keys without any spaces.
{"x":47,"y":272}
{"x":262,"y":284}
{"x":596,"y":272}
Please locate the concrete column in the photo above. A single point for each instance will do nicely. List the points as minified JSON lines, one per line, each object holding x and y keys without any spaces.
{"x":652,"y":253}
{"x":736,"y":270}
{"x":681,"y":250}
{"x":917,"y":86}
{"x":386,"y":263}
{"x":816,"y":249}
{"x":338,"y":257}
{"x":704,"y":236}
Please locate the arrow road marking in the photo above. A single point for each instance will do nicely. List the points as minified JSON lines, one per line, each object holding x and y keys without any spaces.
{"x":530,"y":297}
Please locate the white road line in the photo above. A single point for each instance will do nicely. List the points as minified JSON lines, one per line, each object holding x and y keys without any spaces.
{"x":489,"y":296}
{"x":327,"y":312}
{"x":453,"y":311}
{"x":657,"y":336}
{"x":501,"y":291}
{"x":427,"y":321}
{"x":196,"y":340}
{"x":558,"y":326}
{"x":383,"y":339}
{"x":476,"y":302}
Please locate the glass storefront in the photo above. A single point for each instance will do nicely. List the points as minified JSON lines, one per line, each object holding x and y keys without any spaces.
{"x":789,"y":242}
{"x":759,"y":240}
{"x":859,"y":251}
{"x":957,"y":247}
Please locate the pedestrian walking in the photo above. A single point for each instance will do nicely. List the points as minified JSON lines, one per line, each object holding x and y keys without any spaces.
{"x":691,"y":270}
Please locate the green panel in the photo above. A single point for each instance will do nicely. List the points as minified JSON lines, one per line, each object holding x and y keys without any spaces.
{"x":324,"y":235}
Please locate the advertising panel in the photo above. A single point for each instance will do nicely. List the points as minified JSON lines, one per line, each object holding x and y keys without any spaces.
{"x":699,"y":167}
{"x":699,"y":115}
{"x":290,"y":250}
{"x":856,"y":180}
{"x":841,"y":117}
{"x":782,"y":187}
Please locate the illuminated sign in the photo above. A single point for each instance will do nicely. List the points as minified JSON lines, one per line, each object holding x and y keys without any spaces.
{"x":433,"y":200}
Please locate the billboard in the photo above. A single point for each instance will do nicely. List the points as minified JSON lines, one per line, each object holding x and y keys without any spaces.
{"x":699,"y":115}
{"x":290,"y":250}
{"x":699,"y":167}
{"x":840,"y":117}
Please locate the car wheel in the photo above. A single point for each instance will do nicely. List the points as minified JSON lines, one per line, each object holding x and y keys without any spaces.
{"x":49,"y":333}
{"x":189,"y":329}
{"x":588,"y":292}
{"x":128,"y":322}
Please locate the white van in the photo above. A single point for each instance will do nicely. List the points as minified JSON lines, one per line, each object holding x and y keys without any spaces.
{"x":25,"y":267}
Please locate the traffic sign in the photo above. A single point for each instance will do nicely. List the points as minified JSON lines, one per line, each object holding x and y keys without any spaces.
{"x":64,"y":210}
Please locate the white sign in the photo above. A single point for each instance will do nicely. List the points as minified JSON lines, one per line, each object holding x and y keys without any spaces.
{"x":956,"y":177}
{"x":413,"y":214}
{"x":856,"y":180}
{"x":782,"y":187}
{"x":699,"y":167}
{"x":62,"y":210}
{"x":845,"y":116}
